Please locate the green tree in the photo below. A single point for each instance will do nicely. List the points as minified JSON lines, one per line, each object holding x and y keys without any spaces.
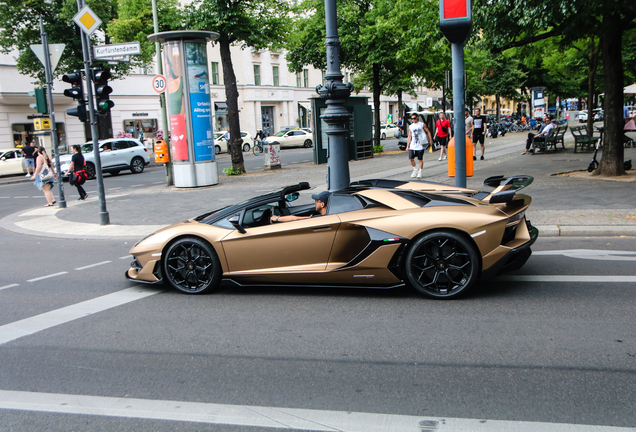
{"x":134,"y":23}
{"x":20,"y":28}
{"x":510,"y":23}
{"x":250,"y":23}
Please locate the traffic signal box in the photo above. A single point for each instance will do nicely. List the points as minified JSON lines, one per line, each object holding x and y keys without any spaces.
{"x":103,"y":104}
{"x":77,"y":93}
{"x":40,"y":103}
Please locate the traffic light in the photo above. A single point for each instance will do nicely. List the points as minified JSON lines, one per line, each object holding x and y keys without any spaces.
{"x":103,"y":104}
{"x":40,"y":100}
{"x":77,"y":93}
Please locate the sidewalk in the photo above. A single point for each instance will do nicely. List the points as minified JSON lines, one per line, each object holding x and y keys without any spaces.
{"x":573,"y":204}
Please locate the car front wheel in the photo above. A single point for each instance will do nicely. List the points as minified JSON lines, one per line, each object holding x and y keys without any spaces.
{"x":90,"y":170}
{"x":137,"y":165}
{"x":217,"y":150}
{"x":191,"y":266}
{"x":307,"y":143}
{"x":246,"y":147}
{"x":442,"y":265}
{"x":383,"y":136}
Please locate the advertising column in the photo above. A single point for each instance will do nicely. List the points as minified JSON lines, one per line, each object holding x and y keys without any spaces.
{"x":189,"y":106}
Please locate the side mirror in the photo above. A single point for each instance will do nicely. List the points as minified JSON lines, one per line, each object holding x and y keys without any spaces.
{"x":234,"y":220}
{"x":292,"y":196}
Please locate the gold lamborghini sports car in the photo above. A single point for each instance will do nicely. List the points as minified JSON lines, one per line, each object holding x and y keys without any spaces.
{"x":377,"y":233}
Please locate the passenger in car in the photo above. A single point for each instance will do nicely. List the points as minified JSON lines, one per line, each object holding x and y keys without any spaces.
{"x":320,"y":200}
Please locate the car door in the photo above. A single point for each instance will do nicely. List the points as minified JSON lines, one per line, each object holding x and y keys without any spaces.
{"x":12,"y":162}
{"x":122,"y":153}
{"x":287,"y":247}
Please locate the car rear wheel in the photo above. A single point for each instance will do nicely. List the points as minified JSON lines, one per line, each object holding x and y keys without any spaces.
{"x":442,"y":265}
{"x":383,"y":136}
{"x":90,"y":170}
{"x":217,"y":150}
{"x":191,"y":266}
{"x":246,"y":147}
{"x":307,"y":143}
{"x":137,"y":165}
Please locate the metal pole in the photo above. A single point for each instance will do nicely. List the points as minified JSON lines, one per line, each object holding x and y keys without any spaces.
{"x":162,"y":96}
{"x":49,"y":93}
{"x":457,"y":50}
{"x":104,"y":219}
{"x":336,"y":115}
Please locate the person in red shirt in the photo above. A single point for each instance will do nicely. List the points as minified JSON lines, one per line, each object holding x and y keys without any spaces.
{"x":442,"y":134}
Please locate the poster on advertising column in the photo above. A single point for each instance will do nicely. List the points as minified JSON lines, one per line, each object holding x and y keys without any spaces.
{"x":176,"y":102}
{"x":200,"y":101}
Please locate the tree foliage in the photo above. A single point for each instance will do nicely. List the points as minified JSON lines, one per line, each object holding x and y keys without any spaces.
{"x":249,"y":23}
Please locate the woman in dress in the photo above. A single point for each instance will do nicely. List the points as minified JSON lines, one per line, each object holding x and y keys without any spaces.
{"x":42,"y":165}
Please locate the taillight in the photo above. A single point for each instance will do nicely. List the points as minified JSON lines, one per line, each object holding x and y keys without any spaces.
{"x":516,"y":218}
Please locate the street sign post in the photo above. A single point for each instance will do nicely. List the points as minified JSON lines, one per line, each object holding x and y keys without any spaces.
{"x":101,"y":52}
{"x":159,"y":83}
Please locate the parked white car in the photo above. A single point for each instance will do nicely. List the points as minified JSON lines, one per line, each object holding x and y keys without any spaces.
{"x":12,"y":162}
{"x":116,"y":154}
{"x":388,"y":130}
{"x":598,"y":115}
{"x":220,"y":144}
{"x":291,"y":138}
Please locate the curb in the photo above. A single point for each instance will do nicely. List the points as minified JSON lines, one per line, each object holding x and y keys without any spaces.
{"x":586,"y":231}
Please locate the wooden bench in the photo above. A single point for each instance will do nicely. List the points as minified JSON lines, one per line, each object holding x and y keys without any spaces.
{"x":551,"y":141}
{"x":582,"y":139}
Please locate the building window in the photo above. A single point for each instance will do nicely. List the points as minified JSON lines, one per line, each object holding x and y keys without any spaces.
{"x":306,"y":77}
{"x":215,"y":72}
{"x":257,"y":74}
{"x":275,"y":74}
{"x":297,"y":79}
{"x":323,"y":77}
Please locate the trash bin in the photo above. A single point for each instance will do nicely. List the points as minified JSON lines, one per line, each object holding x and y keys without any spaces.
{"x":469,"y":157}
{"x":271,"y":156}
{"x":161,"y":152}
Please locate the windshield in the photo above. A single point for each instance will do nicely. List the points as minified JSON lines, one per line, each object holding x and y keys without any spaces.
{"x":87,"y":148}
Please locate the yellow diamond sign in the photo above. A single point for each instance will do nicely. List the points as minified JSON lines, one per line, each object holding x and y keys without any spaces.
{"x":87,"y":20}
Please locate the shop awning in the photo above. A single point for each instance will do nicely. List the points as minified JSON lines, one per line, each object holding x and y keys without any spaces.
{"x":305,"y":104}
{"x":220,"y":106}
{"x":409,"y":106}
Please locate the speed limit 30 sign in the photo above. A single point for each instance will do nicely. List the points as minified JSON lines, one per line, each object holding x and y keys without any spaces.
{"x":159,"y":83}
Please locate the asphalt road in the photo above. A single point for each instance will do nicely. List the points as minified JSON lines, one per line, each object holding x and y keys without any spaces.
{"x":553,"y":343}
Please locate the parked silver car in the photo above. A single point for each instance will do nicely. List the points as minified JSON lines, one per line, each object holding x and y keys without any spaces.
{"x":116,"y":154}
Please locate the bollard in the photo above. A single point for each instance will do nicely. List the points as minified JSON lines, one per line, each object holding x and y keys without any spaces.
{"x":469,"y":157}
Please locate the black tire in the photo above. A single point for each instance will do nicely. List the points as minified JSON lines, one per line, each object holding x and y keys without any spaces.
{"x":137,"y":165}
{"x":307,"y":143}
{"x":442,"y":265}
{"x":90,"y":170}
{"x":114,"y":172}
{"x":217,"y":149}
{"x":383,"y":136}
{"x":190,"y":265}
{"x":246,"y":147}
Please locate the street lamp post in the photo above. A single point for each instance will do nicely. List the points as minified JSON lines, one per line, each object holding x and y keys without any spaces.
{"x":336,"y":115}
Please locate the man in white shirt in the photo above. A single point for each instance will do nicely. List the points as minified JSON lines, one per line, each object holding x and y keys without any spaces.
{"x":544,"y":132}
{"x":418,"y":140}
{"x":469,"y":123}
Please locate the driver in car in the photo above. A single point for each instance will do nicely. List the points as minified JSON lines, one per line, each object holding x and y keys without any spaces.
{"x":321,"y":209}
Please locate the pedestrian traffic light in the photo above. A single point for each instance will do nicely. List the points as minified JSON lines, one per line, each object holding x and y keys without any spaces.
{"x":77,"y":93}
{"x":40,"y":100}
{"x":103,"y":104}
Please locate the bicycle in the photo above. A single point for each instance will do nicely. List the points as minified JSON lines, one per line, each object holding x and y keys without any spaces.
{"x":257,"y":148}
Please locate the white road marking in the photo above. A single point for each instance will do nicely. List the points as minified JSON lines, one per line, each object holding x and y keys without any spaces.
{"x":47,"y":276}
{"x":9,"y":286}
{"x":567,"y":278}
{"x":270,"y":417}
{"x":126,"y":257}
{"x":93,"y":265}
{"x":29,"y":326}
{"x":18,"y":197}
{"x":600,"y":255}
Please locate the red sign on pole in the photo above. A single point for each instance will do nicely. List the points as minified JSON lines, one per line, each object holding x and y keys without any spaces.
{"x":455,"y":19}
{"x":455,"y":9}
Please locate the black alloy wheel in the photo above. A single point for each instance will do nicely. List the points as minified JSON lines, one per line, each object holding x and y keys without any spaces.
{"x":137,"y":165}
{"x":90,"y":170}
{"x":191,"y":266}
{"x":307,"y":143}
{"x":442,"y":265}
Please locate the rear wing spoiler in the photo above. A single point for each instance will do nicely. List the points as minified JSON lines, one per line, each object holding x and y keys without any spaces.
{"x":506,"y":188}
